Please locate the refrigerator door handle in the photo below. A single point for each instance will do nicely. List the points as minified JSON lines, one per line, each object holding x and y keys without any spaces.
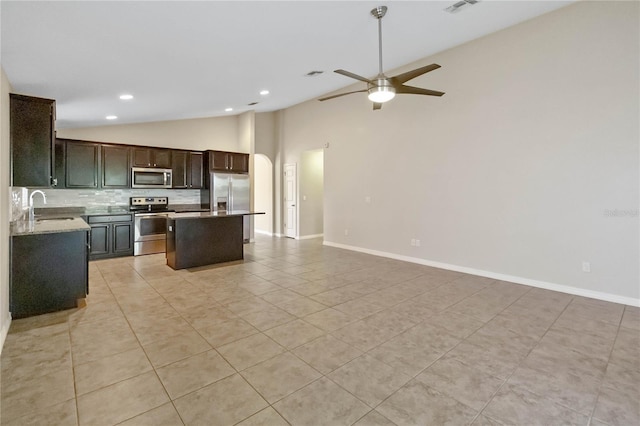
{"x":230,"y":205}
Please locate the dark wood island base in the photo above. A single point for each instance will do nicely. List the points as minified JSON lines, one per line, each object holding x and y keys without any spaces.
{"x":199,"y":239}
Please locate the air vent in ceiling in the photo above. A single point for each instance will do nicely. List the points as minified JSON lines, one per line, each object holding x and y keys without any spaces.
{"x":313,"y":73}
{"x":462,"y":4}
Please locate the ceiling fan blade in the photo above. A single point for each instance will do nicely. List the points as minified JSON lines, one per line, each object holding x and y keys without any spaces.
{"x":341,"y":94}
{"x":352,"y":75}
{"x":404,"y":77}
{"x":377,"y":105}
{"x":417,"y":91}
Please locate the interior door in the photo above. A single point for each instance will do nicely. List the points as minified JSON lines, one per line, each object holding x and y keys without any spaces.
{"x":290,"y":201}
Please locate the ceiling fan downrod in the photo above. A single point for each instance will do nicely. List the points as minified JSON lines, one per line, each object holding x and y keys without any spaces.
{"x":382,"y":90}
{"x":378,"y":13}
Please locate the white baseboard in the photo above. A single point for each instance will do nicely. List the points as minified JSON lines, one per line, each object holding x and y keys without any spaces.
{"x":259,"y":231}
{"x":495,"y":275}
{"x":309,"y":237}
{"x":4,"y":331}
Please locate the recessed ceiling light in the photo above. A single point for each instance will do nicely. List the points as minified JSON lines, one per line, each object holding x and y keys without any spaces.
{"x":126,"y":97}
{"x":111,"y":117}
{"x":264,"y":92}
{"x":228,"y":109}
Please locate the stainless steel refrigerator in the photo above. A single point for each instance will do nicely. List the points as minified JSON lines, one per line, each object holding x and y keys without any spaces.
{"x":231,"y":192}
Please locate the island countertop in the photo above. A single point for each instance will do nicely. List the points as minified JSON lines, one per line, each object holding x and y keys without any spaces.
{"x":210,"y":214}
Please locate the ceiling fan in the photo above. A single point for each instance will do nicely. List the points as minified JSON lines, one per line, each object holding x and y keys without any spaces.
{"x":382,"y":88}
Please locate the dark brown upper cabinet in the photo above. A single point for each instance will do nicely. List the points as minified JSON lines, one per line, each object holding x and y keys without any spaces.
{"x":81,"y":161}
{"x":196,"y":166}
{"x":32,"y":139}
{"x":186,"y":169}
{"x":234,"y":162}
{"x":94,"y":165}
{"x":151,"y":157}
{"x":116,"y":166}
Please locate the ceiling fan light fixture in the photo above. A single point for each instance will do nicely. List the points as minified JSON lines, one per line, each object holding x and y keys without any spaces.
{"x":381,"y":95}
{"x":382,"y":92}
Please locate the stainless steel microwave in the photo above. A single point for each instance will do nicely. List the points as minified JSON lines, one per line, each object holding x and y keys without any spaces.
{"x":143,"y":177}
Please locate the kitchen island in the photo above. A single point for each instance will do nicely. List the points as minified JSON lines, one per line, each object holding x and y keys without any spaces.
{"x":205,"y":238}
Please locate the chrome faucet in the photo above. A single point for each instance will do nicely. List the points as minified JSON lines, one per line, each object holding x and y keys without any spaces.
{"x":31,"y":213}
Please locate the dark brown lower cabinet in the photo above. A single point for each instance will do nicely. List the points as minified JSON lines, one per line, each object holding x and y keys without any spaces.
{"x":49,"y":272}
{"x":111,"y":236}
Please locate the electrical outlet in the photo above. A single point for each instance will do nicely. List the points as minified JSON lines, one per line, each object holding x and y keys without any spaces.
{"x":413,"y":242}
{"x":417,"y":243}
{"x":367,"y":199}
{"x":586,"y":267}
{"x":346,"y":232}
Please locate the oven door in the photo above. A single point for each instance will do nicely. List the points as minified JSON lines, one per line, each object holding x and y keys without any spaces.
{"x":150,"y":231}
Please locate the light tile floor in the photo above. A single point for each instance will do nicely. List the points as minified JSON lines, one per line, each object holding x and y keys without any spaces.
{"x":304,"y":334}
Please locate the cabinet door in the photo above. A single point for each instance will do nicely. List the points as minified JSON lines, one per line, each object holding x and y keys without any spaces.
{"x":99,"y":239}
{"x":195,"y":170}
{"x":81,"y":160}
{"x":32,"y":140}
{"x":179,"y":169}
{"x":116,"y":172}
{"x":162,"y":158}
{"x":122,"y":238}
{"x":142,"y":157}
{"x":218,"y":160}
{"x":59,"y":169}
{"x":48,"y":272}
{"x":238,"y":162}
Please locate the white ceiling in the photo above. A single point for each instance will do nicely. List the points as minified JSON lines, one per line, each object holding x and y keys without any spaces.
{"x":188,"y":59}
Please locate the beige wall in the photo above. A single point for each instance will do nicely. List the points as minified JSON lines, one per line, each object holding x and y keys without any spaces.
{"x":5,"y":316}
{"x":219,"y":133}
{"x":513,"y":173}
{"x":263,"y":194}
{"x":265,"y":130}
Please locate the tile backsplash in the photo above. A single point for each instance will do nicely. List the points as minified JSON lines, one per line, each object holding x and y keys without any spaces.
{"x":112,"y":197}
{"x":18,"y":203}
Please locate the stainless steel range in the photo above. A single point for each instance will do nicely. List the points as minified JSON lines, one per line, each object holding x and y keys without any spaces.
{"x":150,"y":224}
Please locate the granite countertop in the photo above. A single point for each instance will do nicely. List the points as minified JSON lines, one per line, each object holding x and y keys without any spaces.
{"x":210,"y":214}
{"x":187,"y":208}
{"x":124,"y":209}
{"x":48,"y":212}
{"x":49,"y":226}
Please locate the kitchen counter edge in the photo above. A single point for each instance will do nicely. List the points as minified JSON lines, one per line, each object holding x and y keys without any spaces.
{"x":209,"y":214}
{"x":48,"y":227}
